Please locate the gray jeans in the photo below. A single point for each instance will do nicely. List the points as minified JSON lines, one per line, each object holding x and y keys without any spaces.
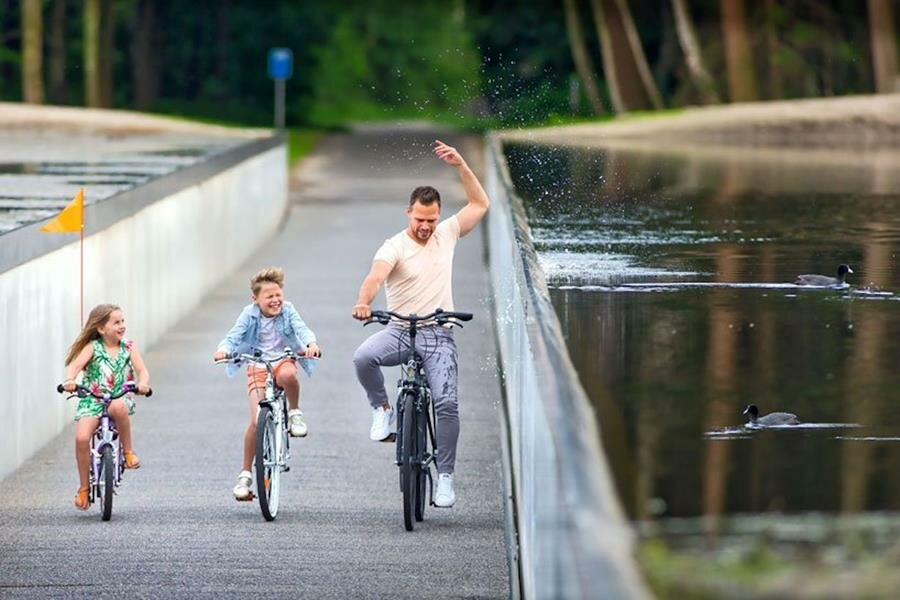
{"x":388,"y":348}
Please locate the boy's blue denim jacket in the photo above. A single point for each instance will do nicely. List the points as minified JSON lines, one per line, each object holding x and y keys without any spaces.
{"x":244,"y":336}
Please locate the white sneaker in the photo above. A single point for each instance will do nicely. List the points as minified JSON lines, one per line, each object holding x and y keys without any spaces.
{"x":443,"y":493}
{"x":382,"y":424}
{"x":297,"y":424}
{"x":242,"y":489}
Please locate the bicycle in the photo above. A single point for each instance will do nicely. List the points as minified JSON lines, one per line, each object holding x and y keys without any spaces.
{"x":416,"y":444}
{"x":272,"y":439}
{"x":107,"y":458}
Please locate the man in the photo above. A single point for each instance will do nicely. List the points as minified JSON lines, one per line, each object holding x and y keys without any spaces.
{"x":416,"y":266}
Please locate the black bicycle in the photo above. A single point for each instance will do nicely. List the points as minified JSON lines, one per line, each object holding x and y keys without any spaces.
{"x":416,"y":447}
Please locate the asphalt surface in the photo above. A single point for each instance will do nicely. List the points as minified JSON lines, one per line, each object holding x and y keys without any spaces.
{"x":177,"y":532}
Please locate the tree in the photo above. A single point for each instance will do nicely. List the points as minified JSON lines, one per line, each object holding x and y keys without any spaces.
{"x":145,"y":55}
{"x":92,"y":90}
{"x":56,"y":47}
{"x":581,"y":58}
{"x":630,"y":85}
{"x":741,"y":78}
{"x":107,"y":51}
{"x":687,"y":37}
{"x":884,"y":45}
{"x":32,"y":52}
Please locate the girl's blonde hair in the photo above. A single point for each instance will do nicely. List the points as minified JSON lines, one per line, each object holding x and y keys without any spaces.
{"x":97,"y":318}
{"x":270,"y":275}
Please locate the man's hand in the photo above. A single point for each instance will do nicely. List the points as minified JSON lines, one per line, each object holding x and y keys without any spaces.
{"x":448,"y":154}
{"x":362,"y":312}
{"x":312,"y":351}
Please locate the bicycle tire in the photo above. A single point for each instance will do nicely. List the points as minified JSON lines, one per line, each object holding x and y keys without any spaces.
{"x":408,"y":478}
{"x":420,"y":472}
{"x":108,"y":482}
{"x":268,"y":477}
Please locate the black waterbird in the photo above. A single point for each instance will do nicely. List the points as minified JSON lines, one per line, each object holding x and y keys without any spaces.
{"x":769,"y":420}
{"x":824,"y":280}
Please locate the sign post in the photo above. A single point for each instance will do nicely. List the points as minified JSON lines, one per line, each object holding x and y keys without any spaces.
{"x":281,"y":66}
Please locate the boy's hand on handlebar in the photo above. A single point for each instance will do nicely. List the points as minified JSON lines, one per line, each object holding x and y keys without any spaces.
{"x":220,"y":355}
{"x":313,"y":351}
{"x":362,"y":312}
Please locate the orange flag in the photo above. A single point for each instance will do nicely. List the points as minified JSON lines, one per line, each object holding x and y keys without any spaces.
{"x":71,"y":219}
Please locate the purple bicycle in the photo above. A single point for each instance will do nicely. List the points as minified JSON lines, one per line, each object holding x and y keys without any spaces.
{"x":107,"y":459}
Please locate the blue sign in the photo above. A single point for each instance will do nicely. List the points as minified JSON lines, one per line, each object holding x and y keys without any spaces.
{"x":281,"y":63}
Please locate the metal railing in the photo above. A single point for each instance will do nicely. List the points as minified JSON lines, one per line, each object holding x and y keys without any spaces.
{"x":573,"y":539}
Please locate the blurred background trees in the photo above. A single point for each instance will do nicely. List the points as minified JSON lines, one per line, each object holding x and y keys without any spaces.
{"x":469,"y":62}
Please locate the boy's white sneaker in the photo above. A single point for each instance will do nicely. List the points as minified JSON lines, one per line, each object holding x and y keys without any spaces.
{"x":296,"y":423}
{"x":444,"y":497}
{"x":242,"y":489}
{"x":382,"y":424}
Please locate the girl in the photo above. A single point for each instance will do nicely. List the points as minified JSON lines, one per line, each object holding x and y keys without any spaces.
{"x":108,"y":362}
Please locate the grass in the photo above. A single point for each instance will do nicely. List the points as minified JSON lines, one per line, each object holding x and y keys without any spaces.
{"x":301,"y":142}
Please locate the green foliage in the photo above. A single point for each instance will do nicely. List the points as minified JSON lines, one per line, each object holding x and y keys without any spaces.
{"x":390,"y":61}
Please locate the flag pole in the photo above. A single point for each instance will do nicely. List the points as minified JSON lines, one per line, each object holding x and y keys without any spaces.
{"x":81,"y":260}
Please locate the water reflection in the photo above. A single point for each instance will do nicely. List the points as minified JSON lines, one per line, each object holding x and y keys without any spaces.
{"x":637,"y":242}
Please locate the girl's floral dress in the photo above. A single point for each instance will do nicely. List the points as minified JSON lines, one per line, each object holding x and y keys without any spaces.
{"x":105,"y":374}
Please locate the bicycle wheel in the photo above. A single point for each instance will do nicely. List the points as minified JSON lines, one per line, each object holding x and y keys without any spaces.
{"x":420,"y":471}
{"x":107,"y":482}
{"x":268,"y":473}
{"x":408,"y":471}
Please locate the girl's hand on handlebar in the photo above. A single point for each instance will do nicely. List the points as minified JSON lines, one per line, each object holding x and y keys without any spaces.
{"x":313,"y":351}
{"x":68,"y":386}
{"x":143,"y":390}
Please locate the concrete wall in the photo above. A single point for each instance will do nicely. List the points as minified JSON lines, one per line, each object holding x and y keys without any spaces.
{"x":155,"y":257}
{"x":573,"y":540}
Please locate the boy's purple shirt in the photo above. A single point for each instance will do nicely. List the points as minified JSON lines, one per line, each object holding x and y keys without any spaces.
{"x":243,"y":337}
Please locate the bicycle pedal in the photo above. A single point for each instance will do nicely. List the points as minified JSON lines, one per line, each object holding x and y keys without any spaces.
{"x":390,"y":439}
{"x":248,"y":498}
{"x":286,"y":469}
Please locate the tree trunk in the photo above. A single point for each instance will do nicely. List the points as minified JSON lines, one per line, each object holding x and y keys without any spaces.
{"x":580,"y":56}
{"x":92,"y":53}
{"x":741,"y":78}
{"x":56,"y":46}
{"x":107,"y":51}
{"x":145,"y":55}
{"x":32,"y":52}
{"x":687,"y":36}
{"x":624,"y":64}
{"x":776,"y":90}
{"x":884,"y":45}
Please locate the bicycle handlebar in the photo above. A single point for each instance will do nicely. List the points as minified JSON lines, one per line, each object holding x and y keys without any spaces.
{"x":441,"y":317}
{"x":127,"y":388}
{"x":257,"y":358}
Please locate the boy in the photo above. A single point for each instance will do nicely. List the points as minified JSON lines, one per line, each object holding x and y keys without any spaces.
{"x":269,"y":325}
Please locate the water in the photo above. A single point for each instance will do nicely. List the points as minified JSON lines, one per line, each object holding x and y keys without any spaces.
{"x":40,"y":174}
{"x":671,"y":274}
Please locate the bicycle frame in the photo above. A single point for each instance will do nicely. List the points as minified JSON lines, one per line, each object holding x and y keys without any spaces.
{"x":105,"y":435}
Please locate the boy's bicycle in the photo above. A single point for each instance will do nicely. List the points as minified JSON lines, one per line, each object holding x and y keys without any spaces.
{"x":107,"y":458}
{"x":272,"y":439}
{"x":416,"y":449}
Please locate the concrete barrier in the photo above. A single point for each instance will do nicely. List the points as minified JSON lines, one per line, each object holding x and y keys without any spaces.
{"x":573,"y":540}
{"x":154,"y":250}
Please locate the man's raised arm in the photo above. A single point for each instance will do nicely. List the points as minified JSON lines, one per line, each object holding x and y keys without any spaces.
{"x":477,"y":198}
{"x":369,"y":288}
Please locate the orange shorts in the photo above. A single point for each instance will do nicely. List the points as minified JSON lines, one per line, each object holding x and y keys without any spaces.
{"x":256,"y":375}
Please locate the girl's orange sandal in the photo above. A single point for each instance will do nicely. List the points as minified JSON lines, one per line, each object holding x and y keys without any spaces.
{"x":81,"y":498}
{"x":132,"y":461}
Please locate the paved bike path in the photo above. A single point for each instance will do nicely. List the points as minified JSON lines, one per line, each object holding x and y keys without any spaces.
{"x":176,"y":532}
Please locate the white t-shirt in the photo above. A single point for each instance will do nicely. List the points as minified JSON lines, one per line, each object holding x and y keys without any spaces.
{"x":420,"y":280}
{"x":271,"y":344}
